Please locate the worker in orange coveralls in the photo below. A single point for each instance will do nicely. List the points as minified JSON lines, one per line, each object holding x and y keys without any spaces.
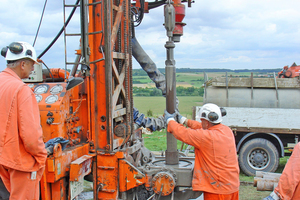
{"x":289,"y":182}
{"x":216,"y":170}
{"x":22,"y":150}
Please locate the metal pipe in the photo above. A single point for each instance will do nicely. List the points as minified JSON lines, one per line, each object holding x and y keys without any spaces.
{"x":172,"y":157}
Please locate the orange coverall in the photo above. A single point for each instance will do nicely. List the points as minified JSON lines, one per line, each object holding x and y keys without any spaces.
{"x":289,"y":182}
{"x":216,"y":167}
{"x":22,"y":150}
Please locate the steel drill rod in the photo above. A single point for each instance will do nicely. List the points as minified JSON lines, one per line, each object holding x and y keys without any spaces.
{"x":172,"y":157}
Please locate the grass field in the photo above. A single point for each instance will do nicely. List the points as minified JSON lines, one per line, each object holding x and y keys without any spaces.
{"x":195,"y":79}
{"x":158,"y":104}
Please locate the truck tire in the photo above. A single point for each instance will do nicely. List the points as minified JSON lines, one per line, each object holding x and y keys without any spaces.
{"x":258,"y":155}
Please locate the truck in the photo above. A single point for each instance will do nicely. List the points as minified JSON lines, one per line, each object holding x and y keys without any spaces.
{"x":263,"y":114}
{"x":87,"y":114}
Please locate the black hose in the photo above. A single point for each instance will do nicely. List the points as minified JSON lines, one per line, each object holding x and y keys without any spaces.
{"x":49,"y":71}
{"x":61,"y":30}
{"x":155,"y":4}
{"x":37,"y":31}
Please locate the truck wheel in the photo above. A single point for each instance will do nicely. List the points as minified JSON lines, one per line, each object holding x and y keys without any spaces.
{"x":258,"y":155}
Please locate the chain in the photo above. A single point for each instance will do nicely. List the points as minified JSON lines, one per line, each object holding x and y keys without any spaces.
{"x":126,"y":16}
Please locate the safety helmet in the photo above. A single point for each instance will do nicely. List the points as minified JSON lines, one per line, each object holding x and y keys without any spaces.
{"x":212,"y":113}
{"x":19,"y":50}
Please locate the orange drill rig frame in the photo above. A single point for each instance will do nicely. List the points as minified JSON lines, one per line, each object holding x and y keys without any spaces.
{"x":93,"y":110}
{"x":289,"y":72}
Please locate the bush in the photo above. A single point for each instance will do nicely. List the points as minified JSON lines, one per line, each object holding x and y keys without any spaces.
{"x":149,"y":113}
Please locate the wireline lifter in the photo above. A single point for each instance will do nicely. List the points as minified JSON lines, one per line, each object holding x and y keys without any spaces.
{"x":92,"y":107}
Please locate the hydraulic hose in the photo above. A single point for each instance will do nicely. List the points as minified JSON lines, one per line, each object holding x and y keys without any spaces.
{"x":61,"y":30}
{"x":154,"y":124}
{"x":160,"y":82}
{"x":148,"y":66}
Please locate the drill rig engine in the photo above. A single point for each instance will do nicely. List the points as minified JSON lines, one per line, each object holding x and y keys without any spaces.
{"x":92,"y":108}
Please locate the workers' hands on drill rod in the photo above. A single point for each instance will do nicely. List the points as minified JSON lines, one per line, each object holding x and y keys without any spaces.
{"x":180,"y":119}
{"x":169,"y":117}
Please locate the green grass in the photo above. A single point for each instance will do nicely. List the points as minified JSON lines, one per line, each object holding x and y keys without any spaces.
{"x":157,"y":141}
{"x":158,"y":104}
{"x":248,"y":192}
{"x":195,"y":80}
{"x":142,"y":79}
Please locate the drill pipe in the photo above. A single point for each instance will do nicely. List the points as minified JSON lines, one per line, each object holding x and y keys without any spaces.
{"x":172,"y":157}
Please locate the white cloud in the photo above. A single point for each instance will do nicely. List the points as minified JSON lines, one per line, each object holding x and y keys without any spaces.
{"x":225,"y":34}
{"x":272,"y":28}
{"x":235,"y":59}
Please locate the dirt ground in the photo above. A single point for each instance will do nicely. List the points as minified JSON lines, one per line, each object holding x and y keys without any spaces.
{"x":247,"y":192}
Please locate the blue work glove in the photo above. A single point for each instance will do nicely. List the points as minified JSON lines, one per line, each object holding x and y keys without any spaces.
{"x":268,"y":198}
{"x":51,"y":143}
{"x":272,"y":196}
{"x":180,"y":118}
{"x":169,"y":117}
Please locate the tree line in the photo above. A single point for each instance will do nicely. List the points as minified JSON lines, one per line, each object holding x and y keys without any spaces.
{"x":180,"y":91}
{"x":141,"y":72}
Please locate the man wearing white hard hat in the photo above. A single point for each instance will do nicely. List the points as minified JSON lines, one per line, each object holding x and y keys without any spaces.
{"x":216,"y":170}
{"x":22,"y":150}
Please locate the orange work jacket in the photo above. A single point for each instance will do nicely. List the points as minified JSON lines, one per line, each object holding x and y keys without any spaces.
{"x":21,"y":143}
{"x":216,"y":167}
{"x":289,"y":182}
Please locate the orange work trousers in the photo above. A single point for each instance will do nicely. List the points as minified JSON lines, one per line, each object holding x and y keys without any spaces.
{"x":211,"y":196}
{"x":21,"y":185}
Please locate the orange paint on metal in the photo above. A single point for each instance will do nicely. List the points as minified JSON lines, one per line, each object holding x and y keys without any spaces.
{"x":62,"y":162}
{"x":45,"y":188}
{"x":163,"y":183}
{"x":59,"y":73}
{"x":59,"y":190}
{"x":107,"y":176}
{"x":50,"y":164}
{"x":129,"y":176}
{"x":289,"y":72}
{"x":80,"y":167}
{"x":85,"y":115}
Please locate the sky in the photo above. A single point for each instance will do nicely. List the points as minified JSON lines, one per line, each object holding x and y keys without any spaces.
{"x":230,"y":34}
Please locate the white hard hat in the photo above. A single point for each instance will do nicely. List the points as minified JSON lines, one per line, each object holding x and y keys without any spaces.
{"x":212,"y":113}
{"x":19,"y":50}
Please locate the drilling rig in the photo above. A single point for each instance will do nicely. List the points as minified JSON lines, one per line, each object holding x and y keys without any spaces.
{"x":91,"y":107}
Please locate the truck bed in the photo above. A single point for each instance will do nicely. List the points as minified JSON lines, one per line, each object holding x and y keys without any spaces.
{"x":253,"y":92}
{"x":274,"y":120}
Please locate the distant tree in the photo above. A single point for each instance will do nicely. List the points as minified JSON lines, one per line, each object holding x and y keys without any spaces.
{"x":155,"y":92}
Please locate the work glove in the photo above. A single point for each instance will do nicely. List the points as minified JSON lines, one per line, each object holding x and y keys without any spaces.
{"x":169,"y":117}
{"x":268,"y":198}
{"x":272,"y":196}
{"x":181,"y":119}
{"x":51,"y":143}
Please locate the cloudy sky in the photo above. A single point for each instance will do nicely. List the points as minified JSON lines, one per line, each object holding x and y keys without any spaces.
{"x":233,"y":34}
